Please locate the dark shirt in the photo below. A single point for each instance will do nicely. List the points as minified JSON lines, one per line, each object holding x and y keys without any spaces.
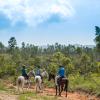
{"x":24,"y":72}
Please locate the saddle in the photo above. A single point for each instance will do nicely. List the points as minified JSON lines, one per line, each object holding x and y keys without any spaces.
{"x":26,"y":77}
{"x":61,"y":81}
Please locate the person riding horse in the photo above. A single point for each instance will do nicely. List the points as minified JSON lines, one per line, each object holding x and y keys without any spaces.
{"x":24,"y":73}
{"x":61,"y":74}
{"x":38,"y":71}
{"x":61,"y":82}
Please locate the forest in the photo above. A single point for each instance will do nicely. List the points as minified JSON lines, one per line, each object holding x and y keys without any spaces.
{"x":82,"y":63}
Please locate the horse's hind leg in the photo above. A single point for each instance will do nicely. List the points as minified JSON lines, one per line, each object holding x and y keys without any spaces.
{"x":36,"y":88}
{"x":22,"y":86}
{"x":18,"y":86}
{"x":28,"y":83}
{"x":66,"y":86}
{"x":59,"y":90}
{"x":17,"y":89}
{"x":40,"y":87}
{"x":62,"y":88}
{"x":56,"y":90}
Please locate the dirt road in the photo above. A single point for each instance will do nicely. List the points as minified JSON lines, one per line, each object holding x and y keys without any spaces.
{"x":7,"y":96}
{"x":50,"y":92}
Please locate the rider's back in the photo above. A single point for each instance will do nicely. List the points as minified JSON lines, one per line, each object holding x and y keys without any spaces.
{"x":38,"y":72}
{"x":61,"y":72}
{"x":24,"y":73}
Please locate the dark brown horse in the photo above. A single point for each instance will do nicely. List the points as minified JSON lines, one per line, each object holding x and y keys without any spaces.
{"x":62,"y":83}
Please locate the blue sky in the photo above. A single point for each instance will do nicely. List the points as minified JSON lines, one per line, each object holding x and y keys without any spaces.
{"x":42,"y":22}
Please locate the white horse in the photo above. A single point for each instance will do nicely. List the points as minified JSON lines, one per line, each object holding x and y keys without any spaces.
{"x":39,"y":81}
{"x":21,"y":81}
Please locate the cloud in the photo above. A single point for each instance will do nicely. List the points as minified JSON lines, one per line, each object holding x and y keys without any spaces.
{"x":33,"y":12}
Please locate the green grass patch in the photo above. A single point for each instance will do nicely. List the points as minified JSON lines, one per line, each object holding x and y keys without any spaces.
{"x":35,"y":96}
{"x":49,"y":84}
{"x":2,"y":86}
{"x":90,"y":84}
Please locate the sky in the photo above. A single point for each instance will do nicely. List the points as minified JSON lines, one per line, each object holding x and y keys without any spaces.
{"x":42,"y":22}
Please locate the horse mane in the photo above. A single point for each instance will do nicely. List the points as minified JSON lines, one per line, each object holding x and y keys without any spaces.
{"x":44,"y":74}
{"x":31,"y":73}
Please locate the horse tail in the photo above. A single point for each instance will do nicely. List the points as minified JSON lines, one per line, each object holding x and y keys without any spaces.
{"x":37,"y":80}
{"x":19,"y":81}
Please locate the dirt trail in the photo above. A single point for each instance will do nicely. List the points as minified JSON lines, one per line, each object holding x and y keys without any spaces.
{"x":6,"y":96}
{"x":71,"y":96}
{"x":51,"y":92}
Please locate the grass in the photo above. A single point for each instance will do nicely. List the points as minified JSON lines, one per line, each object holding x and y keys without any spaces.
{"x":49,"y":84}
{"x":35,"y":96}
{"x":90,"y":85}
{"x":2,"y":86}
{"x":26,"y":95}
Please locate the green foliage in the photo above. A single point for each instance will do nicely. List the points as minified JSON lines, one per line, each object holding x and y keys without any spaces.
{"x":37,"y":61}
{"x":53,"y":68}
{"x":89,"y":85}
{"x":97,"y":38}
{"x":7,"y":66}
{"x":97,"y":67}
{"x":31,"y":95}
{"x":78,"y":61}
{"x":2,"y":48}
{"x":97,"y":30}
{"x":12,"y":42}
{"x":2,"y":86}
{"x":12,"y":45}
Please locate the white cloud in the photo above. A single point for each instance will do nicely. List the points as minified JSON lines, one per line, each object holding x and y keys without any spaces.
{"x":33,"y":12}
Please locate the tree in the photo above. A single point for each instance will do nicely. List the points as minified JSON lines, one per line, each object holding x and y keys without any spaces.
{"x":23,"y":45}
{"x":12,"y":44}
{"x":37,"y":61}
{"x":60,"y":59}
{"x":57,"y":58}
{"x":85,"y":65}
{"x":1,"y":47}
{"x":97,"y":38}
{"x":79,"y":50}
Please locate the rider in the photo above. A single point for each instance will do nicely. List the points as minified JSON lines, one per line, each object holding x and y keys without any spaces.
{"x":24,"y":73}
{"x":61,"y":73}
{"x":38,"y":71}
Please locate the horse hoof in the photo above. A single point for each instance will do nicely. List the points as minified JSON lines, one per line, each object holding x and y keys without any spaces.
{"x":66,"y":96}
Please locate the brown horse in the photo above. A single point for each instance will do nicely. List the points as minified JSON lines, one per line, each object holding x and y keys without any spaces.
{"x":62,"y":83}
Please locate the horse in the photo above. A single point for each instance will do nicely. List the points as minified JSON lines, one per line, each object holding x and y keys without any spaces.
{"x":60,"y":84}
{"x":39,"y":80}
{"x":21,"y":80}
